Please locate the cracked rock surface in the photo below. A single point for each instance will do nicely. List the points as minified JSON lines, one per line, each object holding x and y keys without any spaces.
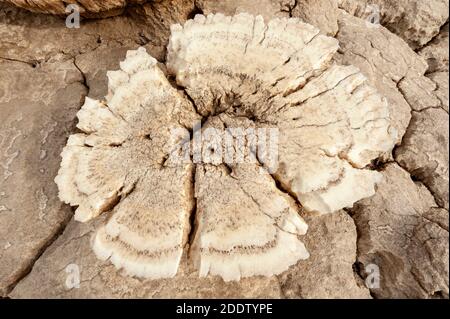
{"x":424,"y":151}
{"x":415,"y":21}
{"x":88,"y":8}
{"x":329,"y":258}
{"x":320,"y":13}
{"x":405,"y":234}
{"x":402,"y":229}
{"x":390,"y":65}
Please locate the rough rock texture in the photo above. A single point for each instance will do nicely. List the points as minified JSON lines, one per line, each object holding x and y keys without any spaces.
{"x":251,"y":229}
{"x":88,"y":8}
{"x":269,"y":9}
{"x":328,"y":273}
{"x":36,"y":120}
{"x":320,"y":13}
{"x":101,"y":279}
{"x":424,"y":151}
{"x":98,"y":46}
{"x":22,"y":32}
{"x":441,"y":90}
{"x":436,"y":52}
{"x":406,"y":236}
{"x":323,"y":151}
{"x":416,"y":21}
{"x":391,"y":66}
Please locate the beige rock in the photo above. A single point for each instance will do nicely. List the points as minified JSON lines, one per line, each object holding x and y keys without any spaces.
{"x":252,"y":229}
{"x":102,"y":167}
{"x":269,"y":9}
{"x":441,"y":90}
{"x":22,"y":33}
{"x":156,"y":17}
{"x":405,"y":236}
{"x":38,"y":107}
{"x":389,"y":65}
{"x":416,"y":21}
{"x":436,"y":52}
{"x":94,"y":65}
{"x":328,"y":273}
{"x":436,"y":55}
{"x":438,"y":216}
{"x":41,"y":75}
{"x":330,"y":265}
{"x":429,"y":92}
{"x":340,"y":137}
{"x":55,"y":275}
{"x":320,"y":13}
{"x":88,"y":8}
{"x":424,"y":151}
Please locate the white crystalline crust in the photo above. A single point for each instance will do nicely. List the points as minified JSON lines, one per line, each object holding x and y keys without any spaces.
{"x":251,"y":230}
{"x":119,"y":162}
{"x":332,"y":124}
{"x":276,"y":75}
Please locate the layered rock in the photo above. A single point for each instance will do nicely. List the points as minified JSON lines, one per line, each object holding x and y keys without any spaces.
{"x":320,"y":13}
{"x":411,"y":257}
{"x":36,"y":120}
{"x":424,"y":151}
{"x":87,"y":8}
{"x":415,"y":21}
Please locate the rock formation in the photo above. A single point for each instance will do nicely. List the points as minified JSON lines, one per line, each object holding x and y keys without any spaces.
{"x":399,"y":233}
{"x":331,"y":126}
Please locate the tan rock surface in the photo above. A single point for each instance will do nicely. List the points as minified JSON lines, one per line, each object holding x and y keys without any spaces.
{"x":314,"y":278}
{"x":441,"y":90}
{"x":436,"y":52}
{"x":36,"y":120}
{"x":328,"y":273}
{"x":22,"y":32}
{"x":102,"y":280}
{"x":320,"y":13}
{"x":424,"y":151}
{"x":406,"y":236}
{"x":416,"y":21}
{"x":88,"y":8}
{"x":391,"y":66}
{"x":99,"y":45}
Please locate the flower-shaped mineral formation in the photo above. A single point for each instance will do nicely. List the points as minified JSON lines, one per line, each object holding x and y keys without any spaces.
{"x":230,"y":72}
